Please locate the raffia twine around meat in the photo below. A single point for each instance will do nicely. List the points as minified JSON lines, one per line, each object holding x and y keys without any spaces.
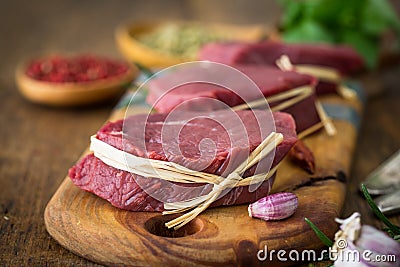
{"x":323,"y":73}
{"x":291,"y":98}
{"x":173,"y":172}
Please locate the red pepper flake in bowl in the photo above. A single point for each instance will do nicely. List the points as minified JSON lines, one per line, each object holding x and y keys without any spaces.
{"x":74,"y":80}
{"x":85,"y":68}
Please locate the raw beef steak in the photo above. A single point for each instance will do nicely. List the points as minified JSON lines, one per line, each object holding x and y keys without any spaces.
{"x":342,"y":58}
{"x":122,"y":188}
{"x":197,"y":95}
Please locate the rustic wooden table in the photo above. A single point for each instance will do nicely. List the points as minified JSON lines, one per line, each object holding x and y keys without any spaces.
{"x":39,"y":144}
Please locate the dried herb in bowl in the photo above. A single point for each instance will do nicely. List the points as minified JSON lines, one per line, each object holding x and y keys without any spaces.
{"x":183,"y":40}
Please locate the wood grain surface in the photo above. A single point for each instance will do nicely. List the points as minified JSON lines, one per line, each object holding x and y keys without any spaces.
{"x":39,"y":144}
{"x":219,"y":236}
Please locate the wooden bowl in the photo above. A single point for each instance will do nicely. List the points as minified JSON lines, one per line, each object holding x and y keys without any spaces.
{"x":72,"y":93}
{"x":132,"y":49}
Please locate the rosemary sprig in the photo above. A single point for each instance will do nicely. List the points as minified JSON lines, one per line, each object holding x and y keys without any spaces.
{"x":319,"y":233}
{"x":393,"y":230}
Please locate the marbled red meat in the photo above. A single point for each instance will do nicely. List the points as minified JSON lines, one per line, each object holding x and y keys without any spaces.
{"x":342,"y":58}
{"x":270,"y":81}
{"x":121,"y":188}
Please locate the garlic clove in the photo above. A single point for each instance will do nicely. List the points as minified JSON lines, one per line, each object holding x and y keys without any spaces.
{"x":362,"y":245}
{"x":274,"y":207}
{"x":350,"y":229}
{"x":377,"y":241}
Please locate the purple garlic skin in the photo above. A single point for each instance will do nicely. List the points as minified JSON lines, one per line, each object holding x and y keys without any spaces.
{"x":363,"y":245}
{"x":274,"y":207}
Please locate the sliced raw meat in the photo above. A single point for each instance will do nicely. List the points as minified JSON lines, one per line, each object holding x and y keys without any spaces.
{"x":342,"y":58}
{"x":197,"y":95}
{"x":122,"y":188}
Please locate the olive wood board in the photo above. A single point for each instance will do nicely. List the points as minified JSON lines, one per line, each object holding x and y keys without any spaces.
{"x":225,"y":236}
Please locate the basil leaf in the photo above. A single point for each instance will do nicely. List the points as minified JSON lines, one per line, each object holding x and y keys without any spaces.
{"x":293,"y":12}
{"x":377,"y":16}
{"x":359,"y":23}
{"x":308,"y":31}
{"x":332,"y":12}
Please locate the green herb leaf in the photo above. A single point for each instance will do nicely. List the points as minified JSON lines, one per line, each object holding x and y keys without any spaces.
{"x":319,"y":233}
{"x":378,"y":16}
{"x":336,"y":13}
{"x":308,"y":31}
{"x":366,"y":45}
{"x":393,"y":228}
{"x":374,"y":17}
{"x":292,"y":13}
{"x":359,"y":23}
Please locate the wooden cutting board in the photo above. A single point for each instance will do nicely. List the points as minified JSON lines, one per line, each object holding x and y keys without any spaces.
{"x":92,"y":228}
